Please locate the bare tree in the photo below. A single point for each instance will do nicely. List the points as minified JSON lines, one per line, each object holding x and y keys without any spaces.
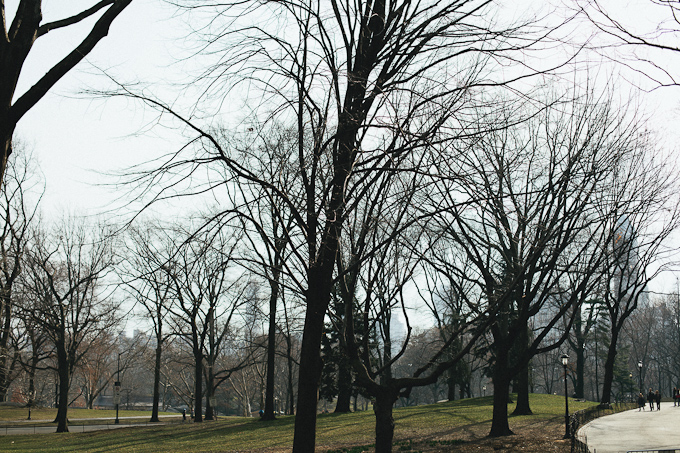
{"x":361,"y":84}
{"x":17,"y":212}
{"x":521,"y":207}
{"x":66,"y":269}
{"x":643,"y":211}
{"x":637,"y":45}
{"x":16,"y":44}
{"x":150,"y":250}
{"x":208,"y":290}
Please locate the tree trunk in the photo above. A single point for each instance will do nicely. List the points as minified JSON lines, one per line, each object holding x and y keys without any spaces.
{"x":384,"y":422}
{"x":522,"y":383}
{"x":6,"y":137}
{"x":198,"y":387}
{"x":310,"y":368}
{"x":271,"y":352}
{"x":609,"y":370}
{"x":291,"y":388}
{"x":209,"y":411}
{"x":344,"y":403}
{"x":579,"y":384}
{"x":156,"y":380}
{"x":501,"y":388}
{"x":451,"y":385}
{"x":62,"y":415}
{"x":5,"y":318}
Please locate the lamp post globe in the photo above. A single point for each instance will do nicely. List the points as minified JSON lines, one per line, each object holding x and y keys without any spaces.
{"x":640,"y":375}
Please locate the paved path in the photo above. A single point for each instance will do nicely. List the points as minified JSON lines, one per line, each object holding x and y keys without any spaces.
{"x":634,"y":430}
{"x":35,"y":426}
{"x":71,"y":428}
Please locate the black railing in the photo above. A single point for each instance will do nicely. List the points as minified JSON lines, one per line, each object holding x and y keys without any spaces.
{"x":580,"y":418}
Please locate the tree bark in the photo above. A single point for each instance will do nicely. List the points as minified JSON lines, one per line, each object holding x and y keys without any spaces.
{"x":62,"y":410}
{"x":522,"y":378}
{"x":579,"y":384}
{"x":384,"y":422}
{"x":156,"y":380}
{"x":609,"y":369}
{"x":310,"y":366}
{"x":271,"y":351}
{"x":451,"y":385}
{"x":5,"y":317}
{"x":344,"y":402}
{"x":198,"y":387}
{"x":522,"y":382}
{"x":501,"y":388}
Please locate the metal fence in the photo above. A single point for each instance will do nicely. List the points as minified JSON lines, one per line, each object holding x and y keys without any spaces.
{"x":580,"y":418}
{"x":672,"y":450}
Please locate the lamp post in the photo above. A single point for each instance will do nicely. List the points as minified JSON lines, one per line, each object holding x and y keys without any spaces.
{"x":565,"y":362}
{"x":632,"y":398}
{"x":640,"y":374}
{"x":116,"y":391}
{"x":31,"y":398}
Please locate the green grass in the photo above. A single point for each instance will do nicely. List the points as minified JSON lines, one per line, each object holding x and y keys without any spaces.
{"x":440,"y":423}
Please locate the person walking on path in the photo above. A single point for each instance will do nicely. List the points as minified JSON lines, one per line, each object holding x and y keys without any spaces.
{"x":650,"y":399}
{"x":676,"y":395}
{"x":641,"y":402}
{"x":657,"y":398}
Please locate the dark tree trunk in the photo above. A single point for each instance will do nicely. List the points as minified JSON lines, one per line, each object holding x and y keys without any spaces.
{"x":156,"y":380}
{"x":522,"y":389}
{"x":609,"y":369}
{"x":62,"y":410}
{"x":501,"y":388}
{"x":344,"y":403}
{"x":271,"y":351}
{"x":291,"y":387}
{"x":384,"y":422}
{"x":5,"y":362}
{"x":6,"y":137}
{"x":198,"y":387}
{"x":579,"y":383}
{"x":310,"y":366}
{"x":451,"y":385}
{"x":209,"y":410}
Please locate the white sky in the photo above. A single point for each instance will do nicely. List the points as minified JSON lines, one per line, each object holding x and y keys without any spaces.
{"x":74,"y":136}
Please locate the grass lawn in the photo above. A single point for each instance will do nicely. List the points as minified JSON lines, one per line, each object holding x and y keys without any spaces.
{"x":460,"y":425}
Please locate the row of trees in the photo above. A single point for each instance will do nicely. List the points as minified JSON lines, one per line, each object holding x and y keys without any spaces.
{"x":399,"y":159}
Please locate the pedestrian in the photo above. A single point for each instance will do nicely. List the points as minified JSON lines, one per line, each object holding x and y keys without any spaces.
{"x":650,"y":399}
{"x":641,"y":402}
{"x":657,"y":398}
{"x":184,"y":415}
{"x":676,"y":396}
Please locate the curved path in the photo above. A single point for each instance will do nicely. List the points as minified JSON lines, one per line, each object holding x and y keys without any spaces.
{"x":634,"y":430}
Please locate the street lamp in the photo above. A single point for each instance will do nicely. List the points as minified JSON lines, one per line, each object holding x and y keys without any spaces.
{"x":31,"y":398}
{"x":565,"y":362}
{"x":640,"y":374}
{"x":116,"y":392}
{"x":630,"y":376}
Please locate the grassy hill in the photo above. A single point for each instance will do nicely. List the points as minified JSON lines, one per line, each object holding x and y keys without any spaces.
{"x":452,"y":426}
